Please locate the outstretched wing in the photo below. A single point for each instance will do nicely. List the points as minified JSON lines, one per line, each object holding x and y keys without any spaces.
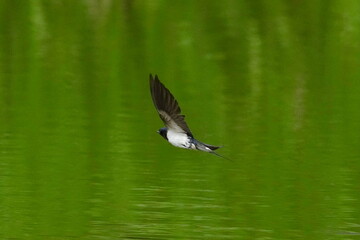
{"x":167,"y":107}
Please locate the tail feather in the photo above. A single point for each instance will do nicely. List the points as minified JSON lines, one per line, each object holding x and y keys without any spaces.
{"x":208,"y":148}
{"x":212,"y":147}
{"x":215,"y":153}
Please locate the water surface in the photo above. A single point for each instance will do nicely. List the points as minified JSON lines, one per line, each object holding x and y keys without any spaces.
{"x":277,"y":84}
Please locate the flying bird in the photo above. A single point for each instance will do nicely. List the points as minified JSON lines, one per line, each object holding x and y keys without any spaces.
{"x":176,"y":131}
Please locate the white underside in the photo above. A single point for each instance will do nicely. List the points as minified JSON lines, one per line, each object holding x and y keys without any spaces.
{"x":180,"y":140}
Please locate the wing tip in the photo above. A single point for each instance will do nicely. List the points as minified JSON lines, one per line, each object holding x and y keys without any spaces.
{"x":153,"y":79}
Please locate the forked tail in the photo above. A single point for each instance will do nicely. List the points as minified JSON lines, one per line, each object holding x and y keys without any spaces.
{"x":215,"y":153}
{"x":212,"y":147}
{"x":208,"y":148}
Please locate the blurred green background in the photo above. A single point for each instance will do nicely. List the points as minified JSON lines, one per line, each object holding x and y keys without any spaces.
{"x":276,"y":82}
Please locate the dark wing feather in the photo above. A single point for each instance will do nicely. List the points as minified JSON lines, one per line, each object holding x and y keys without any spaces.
{"x":167,"y":107}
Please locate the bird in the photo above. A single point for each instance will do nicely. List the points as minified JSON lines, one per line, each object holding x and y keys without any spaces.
{"x":176,"y":130}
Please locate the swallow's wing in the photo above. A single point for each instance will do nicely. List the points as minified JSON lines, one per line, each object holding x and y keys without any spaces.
{"x":167,"y":107}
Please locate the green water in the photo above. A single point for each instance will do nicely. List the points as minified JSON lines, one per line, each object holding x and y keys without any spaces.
{"x":277,"y":83}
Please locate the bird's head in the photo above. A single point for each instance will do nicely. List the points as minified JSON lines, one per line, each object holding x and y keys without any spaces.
{"x":163,"y":132}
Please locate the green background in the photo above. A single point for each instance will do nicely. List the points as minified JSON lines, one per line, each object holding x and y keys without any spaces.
{"x":277,"y":83}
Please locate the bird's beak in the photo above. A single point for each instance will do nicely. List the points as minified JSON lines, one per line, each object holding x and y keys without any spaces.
{"x":157,"y":131}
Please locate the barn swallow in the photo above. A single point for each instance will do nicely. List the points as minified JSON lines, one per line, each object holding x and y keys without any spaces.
{"x":176,"y":131}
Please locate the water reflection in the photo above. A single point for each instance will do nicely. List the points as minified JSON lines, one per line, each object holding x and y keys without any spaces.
{"x":79,"y":154}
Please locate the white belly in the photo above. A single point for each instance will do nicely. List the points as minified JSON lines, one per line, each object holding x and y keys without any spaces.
{"x":180,"y":140}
